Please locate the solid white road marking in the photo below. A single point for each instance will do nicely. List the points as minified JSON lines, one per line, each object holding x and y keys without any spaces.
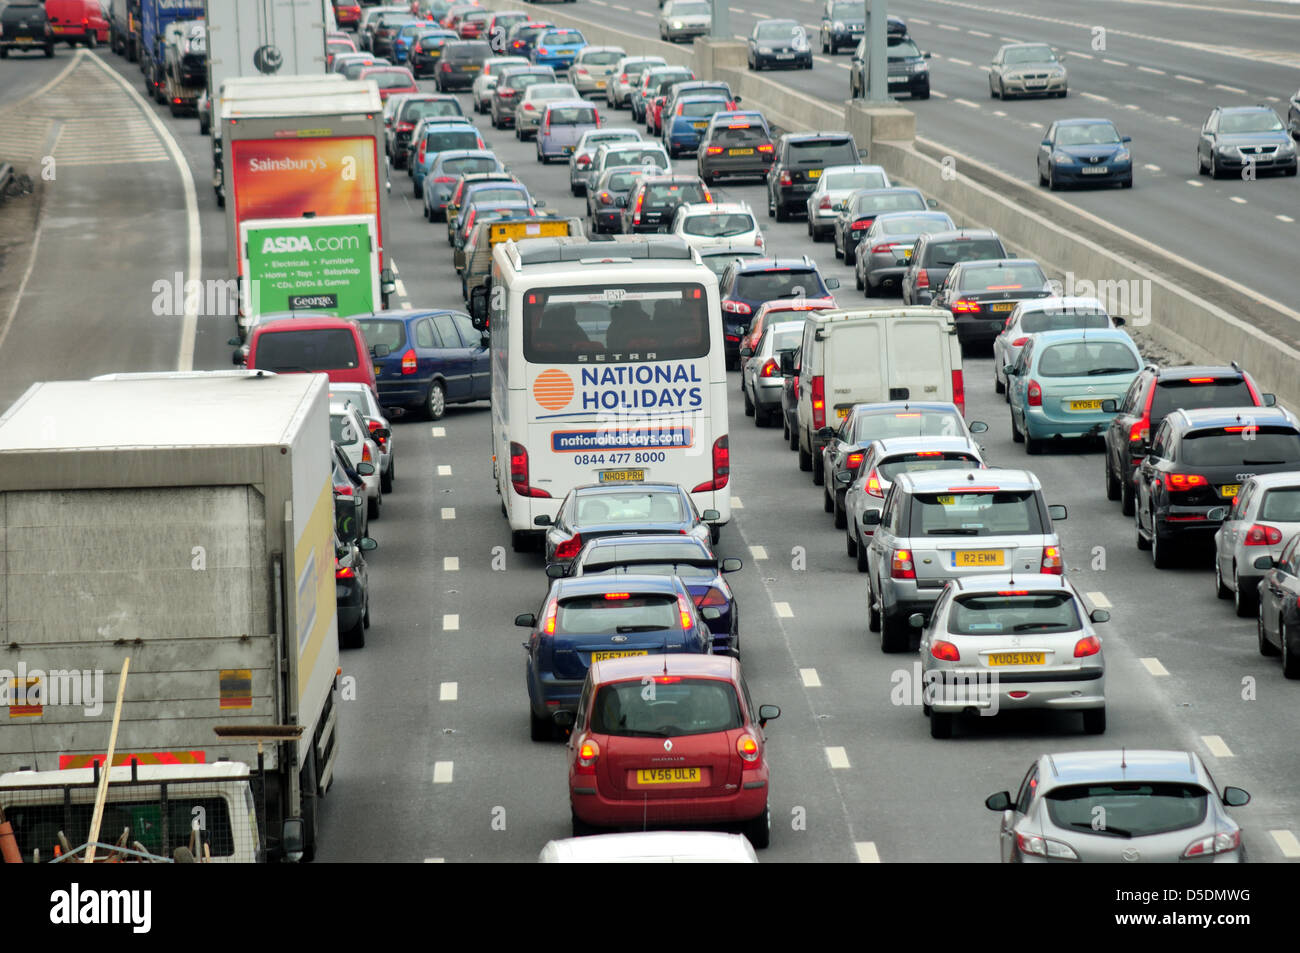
{"x":810,"y":678}
{"x":1154,"y":667}
{"x":442,"y":772}
{"x":866,"y":850}
{"x":736,"y":504}
{"x":1286,"y":843}
{"x":783,"y":610}
{"x":1173,"y":119}
{"x":642,"y":13}
{"x":451,"y":564}
{"x":1099,"y":600}
{"x":451,"y":623}
{"x":1217,"y":746}
{"x":449,"y":512}
{"x":758,"y":552}
{"x":448,"y":692}
{"x":838,"y":757}
{"x":440,"y":431}
{"x":444,"y":470}
{"x":1082,"y":56}
{"x":938,"y":95}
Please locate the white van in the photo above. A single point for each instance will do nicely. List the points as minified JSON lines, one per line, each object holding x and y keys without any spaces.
{"x":867,"y":356}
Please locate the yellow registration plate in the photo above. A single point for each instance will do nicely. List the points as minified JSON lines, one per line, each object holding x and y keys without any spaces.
{"x":966,"y":558}
{"x":600,"y":84}
{"x":376,"y":370}
{"x":814,"y":173}
{"x":699,"y":125}
{"x":602,"y":656}
{"x":668,"y":776}
{"x":471,"y":69}
{"x":1017,"y":658}
{"x":907,"y":253}
{"x":1003,"y":306}
{"x":841,"y":412}
{"x":621,"y":476}
{"x":1231,"y":490}
{"x":1085,"y":405}
{"x":740,"y":152}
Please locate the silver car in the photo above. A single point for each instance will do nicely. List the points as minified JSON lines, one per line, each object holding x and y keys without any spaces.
{"x":1119,"y":806}
{"x":1027,"y":69}
{"x":1044,"y":314}
{"x":761,"y":379}
{"x":935,"y":527}
{"x":626,"y":76}
{"x":869,"y":477}
{"x":885,"y":251}
{"x":1264,"y":517}
{"x":1005,"y":642}
{"x":835,"y":184}
{"x":584,"y":153}
{"x":685,"y":19}
{"x":364,"y":398}
{"x":486,"y":81}
{"x":591,"y":71}
{"x":532,"y":106}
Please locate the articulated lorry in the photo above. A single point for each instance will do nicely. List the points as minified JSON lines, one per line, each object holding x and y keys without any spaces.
{"x":185,"y":521}
{"x":155,"y":17}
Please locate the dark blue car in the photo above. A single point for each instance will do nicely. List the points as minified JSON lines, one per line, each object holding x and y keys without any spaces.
{"x":590,"y":619}
{"x":435,"y":358}
{"x":1084,"y":152}
{"x":748,"y":283}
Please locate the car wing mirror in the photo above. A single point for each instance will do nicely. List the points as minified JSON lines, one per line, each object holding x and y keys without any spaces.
{"x":843,"y":477}
{"x":1009,"y":370}
{"x":787,"y":363}
{"x":711,"y":613}
{"x":542,"y":520}
{"x":998,"y":802}
{"x":977,"y":426}
{"x":767,"y":713}
{"x":380,"y":350}
{"x":1046,"y":142}
{"x":1217,"y":514}
{"x":1119,"y":322}
{"x":1110,"y":406}
{"x":1270,"y":400}
{"x":365,"y":469}
{"x":367,"y":544}
{"x":1057,"y":511}
{"x":710,"y":516}
{"x":1099,"y":615}
{"x":932,"y":203}
{"x":1265,"y":562}
{"x":730,"y":564}
{"x":526,"y":620}
{"x":1235,"y":797}
{"x":832,"y":283}
{"x":871,"y":518}
{"x":554,"y":571}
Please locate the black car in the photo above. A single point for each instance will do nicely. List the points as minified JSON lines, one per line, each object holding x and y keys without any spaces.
{"x":523,"y":37}
{"x":1278,"y":627}
{"x":608,"y":197}
{"x":779,"y":43}
{"x":351,"y":519}
{"x":509,"y":90}
{"x":1236,"y":136}
{"x":800,"y":159}
{"x":842,"y":24}
{"x":735,"y":144}
{"x":24,"y":26}
{"x":381,"y":40}
{"x":1197,"y":463}
{"x":659,"y":83}
{"x":460,"y":64}
{"x":352,"y":589}
{"x":748,"y":283}
{"x":982,"y":294}
{"x":1154,"y":394}
{"x":859,"y":214}
{"x":415,"y":108}
{"x":426,"y":51}
{"x":1293,"y":117}
{"x":906,"y":71}
{"x":653,"y":201}
{"x":937,"y":252}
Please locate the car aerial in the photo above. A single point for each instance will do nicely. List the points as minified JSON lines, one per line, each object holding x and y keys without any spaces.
{"x":934,"y":527}
{"x":625,"y":505}
{"x":608,"y":197}
{"x":1197,"y":463}
{"x":436,"y":135}
{"x":906,"y":69}
{"x":563,"y":124}
{"x":349,"y":485}
{"x":533,"y":103}
{"x":466,"y":179}
{"x":835,"y":185}
{"x":1084,"y":151}
{"x":935,"y":253}
{"x":1027,"y":69}
{"x":846,"y":444}
{"x":1262,"y":521}
{"x":749,"y":282}
{"x":447,"y":171}
{"x":884,"y":252}
{"x":684,"y":20}
{"x":760,"y":379}
{"x":779,"y":43}
{"x":1044,"y":314}
{"x":593,"y":67}
{"x":870,"y":473}
{"x":433,"y":358}
{"x":683,"y":127}
{"x":677,"y":744}
{"x":1061,"y":379}
{"x":1008,"y":642}
{"x":653,"y":81}
{"x":426,"y":52}
{"x":510,"y":89}
{"x":586,"y":620}
{"x":1278,"y":599}
{"x":735,"y":144}
{"x":349,"y":431}
{"x":461,"y":63}
{"x":584,"y":152}
{"x":1234,"y":137}
{"x":1153,"y":394}
{"x":715,"y":225}
{"x":800,"y":159}
{"x":842,"y":25}
{"x":855,"y":213}
{"x":352,"y":590}
{"x":1111,"y":806}
{"x":642,"y":847}
{"x":376,"y":423}
{"x":654,"y":201}
{"x":627,"y":74}
{"x":486,"y":81}
{"x":520,"y":36}
{"x":689,"y":558}
{"x":982,"y":294}
{"x":557,"y":48}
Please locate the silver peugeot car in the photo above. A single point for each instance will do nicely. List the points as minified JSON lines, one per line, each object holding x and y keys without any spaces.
{"x":1119,"y":807}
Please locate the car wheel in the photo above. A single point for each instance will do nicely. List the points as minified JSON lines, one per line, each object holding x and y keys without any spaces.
{"x":365,"y":619}
{"x":895,"y":635}
{"x":873,"y":614}
{"x":1200,"y":163}
{"x":1290,"y":657}
{"x":850,"y":544}
{"x":1127,"y":183}
{"x":435,"y":404}
{"x":819,"y":470}
{"x":427,"y":217}
{"x":793,"y":438}
{"x":541,"y":729}
{"x":715,"y":533}
{"x":828,"y":504}
{"x":861,"y":554}
{"x":841,"y":516}
{"x":1215,"y":172}
{"x":353,"y":638}
{"x":1126,"y":498}
{"x":1112,"y":482}
{"x":749,"y":404}
{"x":993,"y":93}
{"x":805,"y":458}
{"x":375,"y":506}
{"x":1051,"y":179}
{"x":857,"y":279}
{"x":1266,"y":647}
{"x":1161,"y":557}
{"x":869,"y":288}
{"x":1016,"y":435}
{"x":1243,"y":600}
{"x":782,"y":213}
{"x":1221,"y":591}
{"x":49,"y":51}
{"x":1042,"y":179}
{"x":1094,"y":721}
{"x":850,"y":256}
{"x":1142,"y":542}
{"x":940,"y":724}
{"x":386,"y":478}
{"x":416,"y":190}
{"x":1033,"y":446}
{"x":759,"y":830}
{"x":771,"y":206}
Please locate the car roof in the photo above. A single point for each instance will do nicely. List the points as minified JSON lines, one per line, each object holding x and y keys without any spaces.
{"x":392,"y":314}
{"x":884,"y":406}
{"x":645,"y":583}
{"x":1003,"y":479}
{"x":912,"y":213}
{"x":558,"y":103}
{"x":891,"y":190}
{"x":303,"y":324}
{"x":687,"y":663}
{"x":997,"y":582}
{"x":1083,"y":122}
{"x":1184,"y":371}
{"x":1208,"y":418}
{"x":784,"y":326}
{"x":1064,"y":303}
{"x":1078,"y":767}
{"x":642,"y":541}
{"x":780,"y":264}
{"x":1082,"y":334}
{"x":957,"y":234}
{"x":588,"y":489}
{"x":742,"y":251}
{"x":997,"y":263}
{"x":731,"y":208}
{"x":892,"y":445}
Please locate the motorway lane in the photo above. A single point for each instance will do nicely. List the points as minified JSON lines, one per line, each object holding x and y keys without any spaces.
{"x":22,"y":75}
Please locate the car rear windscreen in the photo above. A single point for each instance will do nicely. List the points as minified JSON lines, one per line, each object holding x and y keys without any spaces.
{"x":719,"y":225}
{"x":392,"y":80}
{"x":1281,"y":505}
{"x":675,"y":193}
{"x":637,"y":322}
{"x":634,"y":506}
{"x":321,"y":349}
{"x":602,"y":58}
{"x":823,"y":152}
{"x":947,"y":254}
{"x":1191,"y":393}
{"x":389,"y":333}
{"x":959,"y":512}
{"x":342,"y":430}
{"x":1004,"y":278}
{"x":888,"y":202}
{"x":415,"y":111}
{"x":452,"y":139}
{"x":768,"y":285}
{"x":1012,"y":612}
{"x":1131,"y":809}
{"x":469,"y":165}
{"x":1087,"y":359}
{"x":1240,"y":446}
{"x":501,"y":194}
{"x":617,"y":613}
{"x":856,"y":180}
{"x":1067,"y":319}
{"x":703,"y":107}
{"x":926,"y":460}
{"x":689,"y":706}
{"x":641,"y":157}
{"x":621,"y":181}
{"x":737,"y":135}
{"x":914,"y":225}
{"x":524,"y":80}
{"x":468,"y":51}
{"x":906,"y":423}
{"x":572,"y":115}
{"x":787,"y":340}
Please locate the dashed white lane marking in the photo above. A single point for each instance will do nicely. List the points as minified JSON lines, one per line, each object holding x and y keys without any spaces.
{"x":1189,"y":79}
{"x":449,"y":512}
{"x":1082,"y":56}
{"x":1273,"y":99}
{"x":736,"y":10}
{"x":838,"y":757}
{"x":395,"y":271}
{"x":949,"y":26}
{"x":1284,"y":218}
{"x":783,"y":610}
{"x":1173,"y":119}
{"x":1131,"y":106}
{"x":1238,"y":199}
{"x":407,"y":306}
{"x":1151,"y":167}
{"x":810,"y":678}
{"x":1100,"y":99}
{"x":1008,"y":39}
{"x":1230,"y":89}
{"x":920,"y":21}
{"x":938,"y":95}
{"x":451,"y":623}
{"x":826,"y":60}
{"x":1286,"y":843}
{"x":600,"y":3}
{"x":844,"y":66}
{"x":1216,"y":746}
{"x":953,"y":59}
{"x":866,"y":850}
{"x":451,"y":564}
{"x":980,"y":33}
{"x":434,"y":860}
{"x":1099,"y":600}
{"x":736,"y":504}
{"x":762,"y":16}
{"x":440,"y":431}
{"x":1152,"y":69}
{"x":1154,"y":667}
{"x":442,"y":772}
{"x":968,"y":103}
{"x":999,"y":113}
{"x":1115,"y":62}
{"x":642,"y":13}
{"x":1194,"y":184}
{"x":448,"y":691}
{"x":400,"y":287}
{"x":758,"y":552}
{"x":444,"y":470}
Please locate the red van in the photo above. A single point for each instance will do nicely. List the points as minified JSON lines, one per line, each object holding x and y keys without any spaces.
{"x":77,"y":21}
{"x":328,"y":345}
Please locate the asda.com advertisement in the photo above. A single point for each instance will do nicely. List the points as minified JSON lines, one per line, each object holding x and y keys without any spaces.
{"x":314,"y":264}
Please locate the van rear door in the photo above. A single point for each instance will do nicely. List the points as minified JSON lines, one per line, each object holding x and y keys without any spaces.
{"x":854,"y":357}
{"x":919,"y":358}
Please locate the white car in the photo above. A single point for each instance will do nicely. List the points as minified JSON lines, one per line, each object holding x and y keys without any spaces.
{"x":376,"y":422}
{"x":584,"y":153}
{"x":685,"y":19}
{"x":626,"y":76}
{"x":532,"y":106}
{"x":592,"y":70}
{"x":834,"y":185}
{"x":1044,"y":314}
{"x":1263,"y":518}
{"x":348,"y":429}
{"x":704,"y":225}
{"x":486,"y":81}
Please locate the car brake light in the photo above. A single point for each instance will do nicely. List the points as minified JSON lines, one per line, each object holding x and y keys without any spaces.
{"x":883,"y":247}
{"x":1140,"y":432}
{"x":684,"y":613}
{"x":945,"y":651}
{"x":737,"y":307}
{"x":721,"y":467}
{"x":365,"y":453}
{"x":713,"y":150}
{"x":618,"y":596}
{"x":959,"y":391}
{"x":1223,"y":842}
{"x":1052,"y":565}
{"x":861,"y":223}
{"x":900,"y":566}
{"x":549,"y":625}
{"x":423,"y":143}
{"x":713,"y":596}
{"x":873,"y":484}
{"x":770,"y":369}
{"x":1261,"y":535}
{"x":825,"y":202}
{"x":529,"y":106}
{"x":922,"y":278}
{"x":343,"y":489}
{"x":965,"y":306}
{"x":569,"y":548}
{"x":588,"y":752}
{"x":1044,"y":847}
{"x":506,"y":93}
{"x":543,"y":50}
{"x":818,"y":397}
{"x":343,"y":572}
{"x":1020,"y":342}
{"x":546,"y":126}
{"x":519,"y":473}
{"x":785,"y":178}
{"x":854,"y":460}
{"x":636,"y":217}
{"x":1186,"y":481}
{"x":1087,"y":646}
{"x":446,"y":67}
{"x":623,"y":78}
{"x":765,"y":148}
{"x":1034,"y":394}
{"x":747,"y":748}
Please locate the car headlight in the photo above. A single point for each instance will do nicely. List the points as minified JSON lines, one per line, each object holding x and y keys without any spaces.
{"x":1227,"y":150}
{"x":838,"y":25}
{"x":765,"y":49}
{"x":1122,"y":156}
{"x":920,"y":67}
{"x":1061,"y":158}
{"x":1058,"y":71}
{"x":677,"y":24}
{"x":1286,"y":146}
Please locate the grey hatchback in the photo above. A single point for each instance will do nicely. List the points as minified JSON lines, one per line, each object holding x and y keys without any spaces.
{"x":1113,"y":806}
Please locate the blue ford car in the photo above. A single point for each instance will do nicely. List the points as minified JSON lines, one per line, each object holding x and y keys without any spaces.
{"x":435,"y":358}
{"x":557,"y":48}
{"x":593,"y":618}
{"x":1084,"y":152}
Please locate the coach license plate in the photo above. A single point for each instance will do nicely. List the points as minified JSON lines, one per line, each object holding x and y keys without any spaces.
{"x":973,"y":558}
{"x":1003,"y":306}
{"x":602,"y":656}
{"x":1095,"y":170}
{"x":1230,"y":491}
{"x":621,"y":476}
{"x":668,"y":776}
{"x":1017,"y":658}
{"x":1085,"y":405}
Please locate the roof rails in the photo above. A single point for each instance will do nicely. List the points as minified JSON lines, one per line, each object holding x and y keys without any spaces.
{"x":542,"y":251}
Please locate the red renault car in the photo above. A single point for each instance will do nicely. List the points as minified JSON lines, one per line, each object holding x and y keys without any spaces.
{"x":669,"y":740}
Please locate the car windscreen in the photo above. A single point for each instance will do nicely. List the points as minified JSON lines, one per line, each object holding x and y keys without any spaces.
{"x":906,"y":423}
{"x":822,"y":152}
{"x":719,"y":224}
{"x":1087,"y":359}
{"x":638,"y":322}
{"x":1281,"y":505}
{"x":1244,"y":445}
{"x":1012,"y":611}
{"x":846,"y":10}
{"x":469,"y":165}
{"x":572,"y":115}
{"x":677,"y":706}
{"x":1130,"y":808}
{"x":415,"y":111}
{"x":617,"y":612}
{"x":389,"y":333}
{"x":560,"y":38}
{"x":778,"y":32}
{"x":925,"y":460}
{"x":888,"y":202}
{"x":700,"y":570}
{"x":1192,"y":393}
{"x":691,"y":8}
{"x":958,"y":512}
{"x":322,"y":349}
{"x":946,"y":254}
{"x":1029,"y":54}
{"x":1090,"y":134}
{"x":1263,"y":120}
{"x":1003,"y":278}
{"x":441,"y":141}
{"x":1063,"y":319}
{"x":468,"y":51}
{"x":633,"y":506}
{"x":433,"y":41}
{"x":674,"y":193}
{"x":392,"y":79}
